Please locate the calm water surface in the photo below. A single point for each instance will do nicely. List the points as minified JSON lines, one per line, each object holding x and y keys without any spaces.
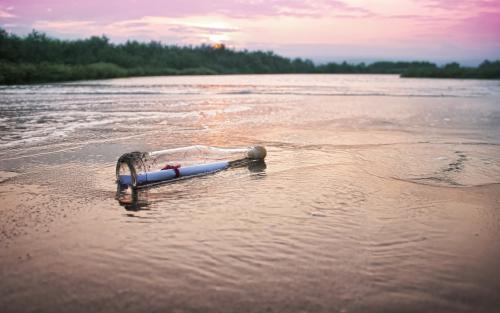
{"x":379,"y":194}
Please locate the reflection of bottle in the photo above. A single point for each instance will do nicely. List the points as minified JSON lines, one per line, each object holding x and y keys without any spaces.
{"x":132,"y":199}
{"x":143,"y":168}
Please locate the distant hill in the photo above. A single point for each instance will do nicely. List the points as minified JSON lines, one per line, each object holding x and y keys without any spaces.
{"x":37,"y":58}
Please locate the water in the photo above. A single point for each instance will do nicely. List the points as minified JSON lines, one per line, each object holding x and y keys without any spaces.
{"x":379,"y":194}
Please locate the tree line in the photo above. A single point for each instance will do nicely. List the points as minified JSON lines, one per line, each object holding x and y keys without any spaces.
{"x":36,"y":58}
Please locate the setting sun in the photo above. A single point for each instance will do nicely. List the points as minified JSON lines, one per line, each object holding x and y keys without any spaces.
{"x":217,"y":39}
{"x":218,"y":45}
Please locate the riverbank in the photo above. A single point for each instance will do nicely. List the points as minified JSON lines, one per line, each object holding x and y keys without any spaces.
{"x":37,"y":58}
{"x":28,"y":73}
{"x":13,"y":74}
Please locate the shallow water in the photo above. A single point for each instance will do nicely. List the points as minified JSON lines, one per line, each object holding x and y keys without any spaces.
{"x":379,"y":194}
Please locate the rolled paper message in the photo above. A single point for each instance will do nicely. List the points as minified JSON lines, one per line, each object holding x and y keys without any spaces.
{"x":169,"y":174}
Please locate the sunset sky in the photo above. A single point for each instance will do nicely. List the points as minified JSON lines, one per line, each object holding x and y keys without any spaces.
{"x":467,"y":31}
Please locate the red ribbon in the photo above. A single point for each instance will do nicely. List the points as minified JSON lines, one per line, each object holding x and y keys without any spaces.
{"x":173,"y":167}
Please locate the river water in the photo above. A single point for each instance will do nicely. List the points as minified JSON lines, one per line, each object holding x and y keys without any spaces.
{"x":379,"y":194}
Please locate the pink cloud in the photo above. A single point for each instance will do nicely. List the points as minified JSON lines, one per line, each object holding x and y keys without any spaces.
{"x":5,"y":13}
{"x":461,"y":21}
{"x":484,"y":26}
{"x":127,"y":9}
{"x":463,"y":4}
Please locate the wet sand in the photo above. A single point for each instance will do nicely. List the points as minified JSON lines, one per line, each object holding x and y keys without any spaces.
{"x":366,"y":203}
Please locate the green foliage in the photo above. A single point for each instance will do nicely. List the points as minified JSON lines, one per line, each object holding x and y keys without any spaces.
{"x":12,"y":73}
{"x":39,"y":58}
{"x":486,"y":70}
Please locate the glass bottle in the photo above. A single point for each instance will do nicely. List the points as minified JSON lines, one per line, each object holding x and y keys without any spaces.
{"x":138,"y":169}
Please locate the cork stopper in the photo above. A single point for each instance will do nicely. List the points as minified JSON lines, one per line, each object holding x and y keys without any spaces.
{"x":257,"y":153}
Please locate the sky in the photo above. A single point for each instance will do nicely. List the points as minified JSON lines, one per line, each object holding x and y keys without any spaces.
{"x":467,"y":31}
